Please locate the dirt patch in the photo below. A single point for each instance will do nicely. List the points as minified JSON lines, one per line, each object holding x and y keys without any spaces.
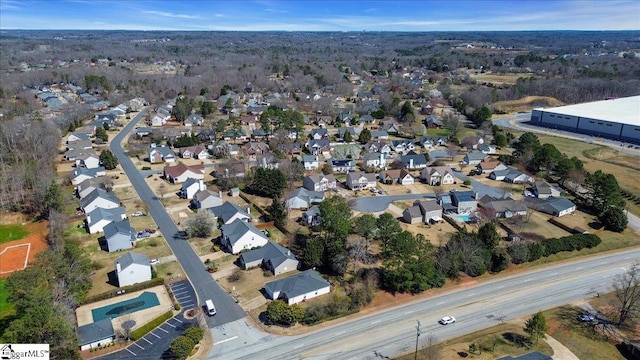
{"x":15,"y":254}
{"x":527,"y":103}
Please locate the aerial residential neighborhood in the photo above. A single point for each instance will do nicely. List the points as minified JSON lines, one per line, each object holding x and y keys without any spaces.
{"x":188,"y":192}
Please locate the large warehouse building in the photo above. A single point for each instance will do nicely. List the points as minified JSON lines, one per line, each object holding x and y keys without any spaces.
{"x":617,"y":119}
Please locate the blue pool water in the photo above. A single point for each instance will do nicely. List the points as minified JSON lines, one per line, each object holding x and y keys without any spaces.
{"x":462,"y":217}
{"x":144,"y":301}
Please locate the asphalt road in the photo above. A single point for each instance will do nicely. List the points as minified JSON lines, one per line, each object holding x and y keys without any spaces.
{"x":393,"y":332}
{"x":205,"y":287}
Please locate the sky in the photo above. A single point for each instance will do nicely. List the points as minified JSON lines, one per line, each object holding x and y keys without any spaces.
{"x":314,"y":15}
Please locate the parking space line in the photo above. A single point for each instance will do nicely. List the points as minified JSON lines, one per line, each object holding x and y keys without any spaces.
{"x":186,"y":302}
{"x":176,"y":293}
{"x":178,"y":286}
{"x":178,"y":320}
{"x":155,"y":335}
{"x":173,"y":326}
{"x":147,"y":341}
{"x":163,"y":330}
{"x":136,"y":344}
{"x":134,"y":354}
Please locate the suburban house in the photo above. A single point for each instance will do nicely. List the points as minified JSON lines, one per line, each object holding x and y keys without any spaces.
{"x":143,"y":131}
{"x":413,"y":161}
{"x":432,"y":141}
{"x":119,"y":235}
{"x":230,"y":212}
{"x":198,"y":152}
{"x":474,"y":157}
{"x":319,"y":182}
{"x":319,"y":147}
{"x":432,"y":122}
{"x":240,"y":235}
{"x":503,"y":208}
{"x":75,"y":136}
{"x":96,"y":334}
{"x":190,"y":187}
{"x":310,"y":162}
{"x":193,"y":120}
{"x":390,"y":126}
{"x":510,"y":175}
{"x":374,"y":160}
{"x":359,"y":180}
{"x":423,"y":211}
{"x":297,"y":288}
{"x":464,"y":202}
{"x":488,"y":165}
{"x":204,"y":199}
{"x":552,"y":206}
{"x":311,"y":216}
{"x":543,"y":189}
{"x":79,"y":175}
{"x":86,"y":187}
{"x":378,"y":146}
{"x":180,"y":173}
{"x":80,"y":145}
{"x":342,"y":165}
{"x":379,"y":134}
{"x":88,"y":160}
{"x":272,"y":257}
{"x":97,"y":219}
{"x":400,"y":176}
{"x":343,"y":130}
{"x":132,"y":268}
{"x":401,"y":146}
{"x":233,"y":168}
{"x":99,"y":198}
{"x":319,"y":134}
{"x":487,"y":148}
{"x":437,"y":175}
{"x":302,"y":198}
{"x":76,"y":154}
{"x":158,"y":154}
{"x":252,"y":150}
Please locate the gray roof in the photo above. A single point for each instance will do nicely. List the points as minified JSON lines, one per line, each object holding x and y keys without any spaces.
{"x":535,"y":355}
{"x":119,"y":227}
{"x":237,"y":228}
{"x":98,"y":193}
{"x":307,"y":195}
{"x":558,"y":204}
{"x":95,"y":331}
{"x":98,"y":214}
{"x":227,"y":210}
{"x":318,"y":177}
{"x":309,"y":158}
{"x":372,"y":156}
{"x":89,"y":172}
{"x":312,"y":211}
{"x":505,"y":205}
{"x":418,"y":159}
{"x":189,"y":182}
{"x":476,"y":155}
{"x":131,"y":258}
{"x":378,"y":133}
{"x":273,"y":252}
{"x":97,"y":182}
{"x":429,"y":205}
{"x":414,"y":212}
{"x":298,"y":284}
{"x":81,"y":136}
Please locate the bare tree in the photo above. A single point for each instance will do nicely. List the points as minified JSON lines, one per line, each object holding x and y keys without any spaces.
{"x":431,"y":351}
{"x":452,"y":150}
{"x":452,"y":122}
{"x":162,"y":191}
{"x":627,"y":292}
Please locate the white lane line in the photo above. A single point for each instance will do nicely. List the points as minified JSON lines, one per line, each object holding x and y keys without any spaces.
{"x":299,"y":346}
{"x":340,"y":333}
{"x":440,"y":303}
{"x":155,"y":335}
{"x":579,"y":268}
{"x":163,"y":330}
{"x":147,"y":341}
{"x":136,"y":344}
{"x":408,"y":312}
{"x":176,"y":319}
{"x":225,"y":340}
{"x":173,"y":326}
{"x":134,"y":354}
{"x":375,"y":322}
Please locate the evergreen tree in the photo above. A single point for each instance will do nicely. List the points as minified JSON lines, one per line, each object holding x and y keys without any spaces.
{"x":108,"y":160}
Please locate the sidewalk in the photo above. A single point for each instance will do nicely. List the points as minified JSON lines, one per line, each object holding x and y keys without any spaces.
{"x":560,"y":352}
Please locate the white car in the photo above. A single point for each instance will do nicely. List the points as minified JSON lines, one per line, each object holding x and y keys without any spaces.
{"x":447,"y":320}
{"x":137,"y":213}
{"x":154,"y":261}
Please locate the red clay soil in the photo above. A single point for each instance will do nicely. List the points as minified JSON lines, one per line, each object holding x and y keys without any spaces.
{"x":13,"y":258}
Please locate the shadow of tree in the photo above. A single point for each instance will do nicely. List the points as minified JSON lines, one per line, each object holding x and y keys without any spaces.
{"x":517,"y":339}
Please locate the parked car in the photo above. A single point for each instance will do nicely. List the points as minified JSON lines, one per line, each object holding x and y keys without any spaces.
{"x":154,"y":262}
{"x":447,"y":320}
{"x":586,"y":317}
{"x":150,"y":231}
{"x":143,"y":234}
{"x":137,"y":213}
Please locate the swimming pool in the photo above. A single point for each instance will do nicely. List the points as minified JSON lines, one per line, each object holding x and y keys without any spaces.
{"x":463,"y":218}
{"x":144,"y":301}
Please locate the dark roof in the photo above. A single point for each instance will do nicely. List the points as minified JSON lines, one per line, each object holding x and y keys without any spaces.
{"x":227,"y":210}
{"x":273,"y":252}
{"x":463,"y":195}
{"x":93,"y":332}
{"x":98,"y":193}
{"x":132,"y":257}
{"x":119,"y":227}
{"x":299,"y":284}
{"x":534,"y":355}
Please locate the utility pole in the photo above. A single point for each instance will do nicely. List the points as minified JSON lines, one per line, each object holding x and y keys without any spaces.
{"x":417,"y":337}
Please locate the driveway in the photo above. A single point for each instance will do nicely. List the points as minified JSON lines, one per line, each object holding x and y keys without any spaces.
{"x":206,"y":287}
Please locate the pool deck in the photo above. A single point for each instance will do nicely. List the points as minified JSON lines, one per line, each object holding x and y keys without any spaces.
{"x":84,"y":315}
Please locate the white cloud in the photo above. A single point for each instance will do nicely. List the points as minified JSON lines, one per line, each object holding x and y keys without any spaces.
{"x":171,"y":15}
{"x":10,"y":5}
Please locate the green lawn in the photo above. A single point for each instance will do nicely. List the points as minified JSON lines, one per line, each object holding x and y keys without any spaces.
{"x":12,"y":232}
{"x":6,"y":309}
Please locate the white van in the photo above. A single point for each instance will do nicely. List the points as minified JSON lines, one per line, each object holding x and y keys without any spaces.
{"x":211,"y":310}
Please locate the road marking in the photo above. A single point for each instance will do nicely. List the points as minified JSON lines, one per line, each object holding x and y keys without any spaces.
{"x":579,"y":268}
{"x":147,"y":341}
{"x":299,"y":346}
{"x":180,"y":293}
{"x":554,"y":274}
{"x":408,"y":312}
{"x":340,"y":333}
{"x":134,"y":354}
{"x":136,"y":344}
{"x":178,"y":320}
{"x":163,"y":330}
{"x":178,"y":286}
{"x":155,"y":335}
{"x":604,"y":262}
{"x":173,"y":326}
{"x":375,"y":322}
{"x":526,"y":280}
{"x":225,"y":340}
{"x":440,"y":303}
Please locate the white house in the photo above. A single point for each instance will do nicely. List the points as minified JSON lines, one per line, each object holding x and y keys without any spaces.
{"x":132,"y":268}
{"x":181,"y":172}
{"x":88,"y":160}
{"x":97,"y":219}
{"x":271,"y":257}
{"x":230,"y":212}
{"x":310,"y":162}
{"x":437,"y":175}
{"x":190,"y":187}
{"x":99,"y":198}
{"x":240,"y":235}
{"x":298,"y":288}
{"x":119,"y":235}
{"x":319,"y":182}
{"x":79,"y":175}
{"x":205,"y":199}
{"x":375,"y":160}
{"x":358,"y":180}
